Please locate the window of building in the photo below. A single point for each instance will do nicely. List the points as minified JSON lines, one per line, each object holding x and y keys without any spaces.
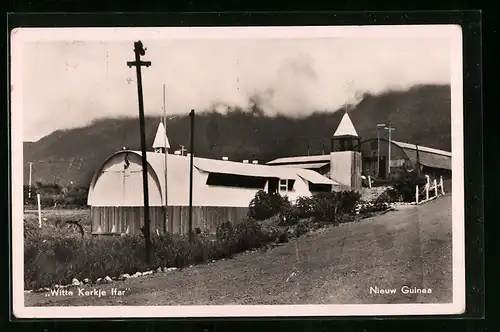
{"x":234,"y":180}
{"x":286,"y":185}
{"x":319,"y":188}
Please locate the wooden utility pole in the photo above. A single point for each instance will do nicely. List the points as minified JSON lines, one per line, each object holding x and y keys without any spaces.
{"x":29,"y":187}
{"x":166,"y":162}
{"x":390,"y":128}
{"x":191,"y":177}
{"x":379,"y":127}
{"x":418,"y":160}
{"x":140,"y":51}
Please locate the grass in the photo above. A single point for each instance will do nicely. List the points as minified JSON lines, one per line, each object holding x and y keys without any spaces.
{"x":334,"y":265}
{"x":61,"y":251}
{"x":54,"y":256}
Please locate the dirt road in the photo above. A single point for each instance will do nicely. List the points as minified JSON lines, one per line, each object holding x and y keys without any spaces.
{"x":339,"y":265}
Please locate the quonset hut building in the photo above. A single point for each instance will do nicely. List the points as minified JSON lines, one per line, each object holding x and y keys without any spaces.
{"x":222,"y":190}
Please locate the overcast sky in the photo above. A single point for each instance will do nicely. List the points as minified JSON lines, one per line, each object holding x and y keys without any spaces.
{"x":70,"y":83}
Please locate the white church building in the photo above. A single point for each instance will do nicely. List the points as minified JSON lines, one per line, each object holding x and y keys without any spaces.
{"x":222,"y":189}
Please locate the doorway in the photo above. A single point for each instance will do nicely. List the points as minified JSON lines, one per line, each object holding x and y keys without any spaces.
{"x":382,"y":168}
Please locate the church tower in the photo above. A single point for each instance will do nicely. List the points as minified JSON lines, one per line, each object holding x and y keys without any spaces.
{"x":345,"y":137}
{"x":161,"y":143}
{"x":345,"y":155}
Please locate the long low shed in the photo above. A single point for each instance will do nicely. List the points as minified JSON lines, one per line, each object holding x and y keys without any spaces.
{"x":222,"y":191}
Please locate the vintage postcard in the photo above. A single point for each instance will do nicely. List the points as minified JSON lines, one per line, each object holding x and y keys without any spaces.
{"x":239,"y":172}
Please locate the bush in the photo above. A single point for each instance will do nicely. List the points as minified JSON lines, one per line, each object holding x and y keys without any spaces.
{"x":405,"y":186}
{"x":305,"y":207}
{"x":55,"y":195}
{"x":263,"y":206}
{"x":303,"y":227}
{"x":348,"y":200}
{"x":289,"y":215}
{"x":324,"y":207}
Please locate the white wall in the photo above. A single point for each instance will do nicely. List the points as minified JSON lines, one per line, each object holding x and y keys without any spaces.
{"x":341,"y":167}
{"x":300,"y":189}
{"x":117,"y":186}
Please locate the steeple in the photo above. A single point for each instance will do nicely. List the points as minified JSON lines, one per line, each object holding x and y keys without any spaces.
{"x":345,"y":137}
{"x":161,"y":143}
{"x":345,"y":127}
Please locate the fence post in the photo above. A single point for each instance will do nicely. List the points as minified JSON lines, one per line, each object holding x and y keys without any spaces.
{"x":436,"y":187}
{"x":39,"y":211}
{"x":427,"y":190}
{"x":442,"y":185}
{"x":416,"y":195}
{"x":369,"y":181}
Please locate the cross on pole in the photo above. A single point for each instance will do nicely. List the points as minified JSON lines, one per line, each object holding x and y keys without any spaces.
{"x":139,"y":51}
{"x":183,"y":150}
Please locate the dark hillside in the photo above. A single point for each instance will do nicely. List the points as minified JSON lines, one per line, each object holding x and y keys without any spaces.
{"x":420,"y":115}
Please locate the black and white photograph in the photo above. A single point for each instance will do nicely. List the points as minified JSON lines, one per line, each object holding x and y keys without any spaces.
{"x":237,"y":171}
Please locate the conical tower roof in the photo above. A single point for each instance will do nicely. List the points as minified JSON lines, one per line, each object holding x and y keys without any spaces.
{"x":346,"y":128}
{"x":161,"y":138}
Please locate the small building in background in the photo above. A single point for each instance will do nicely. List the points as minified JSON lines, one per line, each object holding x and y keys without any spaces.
{"x":403,"y":156}
{"x":377,"y":157}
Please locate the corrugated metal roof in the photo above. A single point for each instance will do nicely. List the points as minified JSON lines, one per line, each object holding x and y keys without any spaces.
{"x":231,"y":167}
{"x":305,"y":166}
{"x":421,"y":148}
{"x":429,"y":157}
{"x":314,"y":177}
{"x":178,"y":180}
{"x":300,"y":159}
{"x":433,"y":160}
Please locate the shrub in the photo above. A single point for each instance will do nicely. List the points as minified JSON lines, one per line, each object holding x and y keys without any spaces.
{"x":305,"y":207}
{"x":289,"y":215}
{"x":324,"y":208}
{"x":249,"y":235}
{"x":404,"y":186}
{"x":55,"y":195}
{"x":348,"y":200}
{"x":263,"y":206}
{"x":303,"y":227}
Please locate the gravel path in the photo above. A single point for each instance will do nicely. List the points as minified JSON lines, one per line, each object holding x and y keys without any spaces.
{"x":337,"y":265}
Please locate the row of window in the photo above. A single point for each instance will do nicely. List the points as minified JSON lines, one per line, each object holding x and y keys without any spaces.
{"x":283,"y":186}
{"x":240,"y":181}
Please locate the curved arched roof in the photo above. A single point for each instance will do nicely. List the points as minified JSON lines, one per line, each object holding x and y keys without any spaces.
{"x":178,"y":173}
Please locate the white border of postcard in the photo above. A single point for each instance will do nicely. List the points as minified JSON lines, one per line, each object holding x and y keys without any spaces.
{"x":451,"y":32}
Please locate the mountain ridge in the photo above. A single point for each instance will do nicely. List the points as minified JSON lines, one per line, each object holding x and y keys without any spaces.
{"x":421,"y":115}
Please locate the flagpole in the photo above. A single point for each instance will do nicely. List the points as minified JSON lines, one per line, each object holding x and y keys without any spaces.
{"x":165,"y":151}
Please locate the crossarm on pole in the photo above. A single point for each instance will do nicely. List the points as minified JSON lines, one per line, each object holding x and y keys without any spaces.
{"x":138,"y":63}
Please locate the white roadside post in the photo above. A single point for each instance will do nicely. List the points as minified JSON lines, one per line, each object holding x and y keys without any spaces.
{"x":39,"y":211}
{"x":369,"y":181}
{"x":442,"y":185}
{"x":427,"y":187}
{"x":436,"y":187}
{"x":416,"y":194}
